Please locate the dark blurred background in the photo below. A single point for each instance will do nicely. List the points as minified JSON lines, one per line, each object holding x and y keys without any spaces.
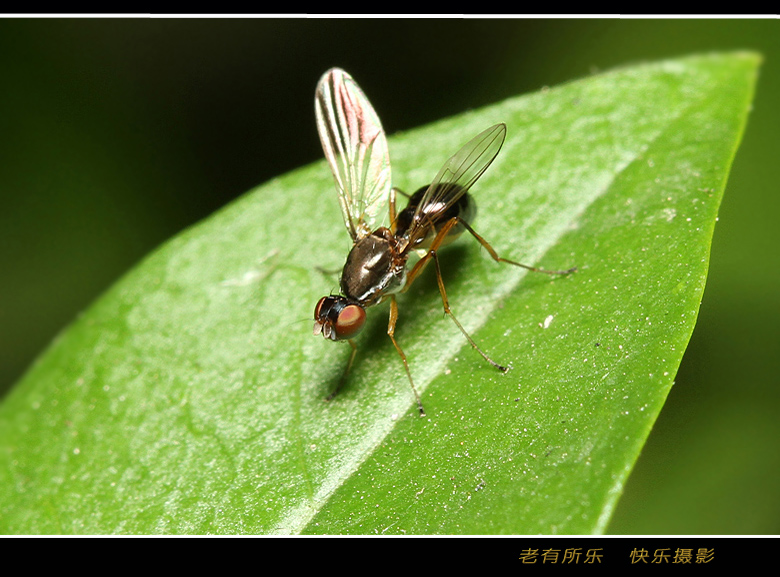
{"x":115,"y":134}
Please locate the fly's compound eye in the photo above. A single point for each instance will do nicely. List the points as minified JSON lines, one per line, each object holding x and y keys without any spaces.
{"x":322,"y":313}
{"x":336,"y":319}
{"x":350,"y":322}
{"x":321,"y":310}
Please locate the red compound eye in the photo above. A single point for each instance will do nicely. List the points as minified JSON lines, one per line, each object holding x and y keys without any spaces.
{"x":318,"y":309}
{"x":350,"y":322}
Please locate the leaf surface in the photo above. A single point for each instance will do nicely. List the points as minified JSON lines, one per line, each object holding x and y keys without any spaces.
{"x":189,"y":397}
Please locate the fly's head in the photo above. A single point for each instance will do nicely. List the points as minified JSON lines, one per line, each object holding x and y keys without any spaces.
{"x":337,"y":318}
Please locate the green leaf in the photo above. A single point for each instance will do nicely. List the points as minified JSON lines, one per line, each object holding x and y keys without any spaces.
{"x":189,"y":397}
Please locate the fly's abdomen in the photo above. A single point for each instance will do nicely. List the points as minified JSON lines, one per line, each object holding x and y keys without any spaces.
{"x":435,"y":214}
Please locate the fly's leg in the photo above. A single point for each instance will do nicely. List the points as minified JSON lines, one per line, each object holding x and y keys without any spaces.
{"x":328,"y":272}
{"x":497,"y":258}
{"x":432,"y":254}
{"x":391,"y":334}
{"x":447,"y":310}
{"x":397,"y":190}
{"x":346,"y":372}
{"x":392,"y":207}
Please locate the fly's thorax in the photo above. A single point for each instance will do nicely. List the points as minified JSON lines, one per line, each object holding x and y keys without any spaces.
{"x":373,"y":269}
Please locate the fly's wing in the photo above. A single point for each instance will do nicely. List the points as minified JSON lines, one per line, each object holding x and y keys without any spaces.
{"x":356,"y":149}
{"x":457,"y":176}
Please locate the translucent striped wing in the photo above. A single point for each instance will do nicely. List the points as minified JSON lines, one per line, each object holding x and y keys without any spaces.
{"x":356,"y":149}
{"x":457,"y":176}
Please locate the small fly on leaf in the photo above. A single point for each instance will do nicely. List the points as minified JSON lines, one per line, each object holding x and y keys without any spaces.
{"x":376,"y":269}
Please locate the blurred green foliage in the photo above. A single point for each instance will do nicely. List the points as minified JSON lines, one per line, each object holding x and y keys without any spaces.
{"x":119,"y":133}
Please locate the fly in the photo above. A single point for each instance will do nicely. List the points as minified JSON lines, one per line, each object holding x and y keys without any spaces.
{"x":376,"y":269}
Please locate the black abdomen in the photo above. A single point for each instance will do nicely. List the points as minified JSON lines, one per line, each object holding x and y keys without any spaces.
{"x":437,"y":212}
